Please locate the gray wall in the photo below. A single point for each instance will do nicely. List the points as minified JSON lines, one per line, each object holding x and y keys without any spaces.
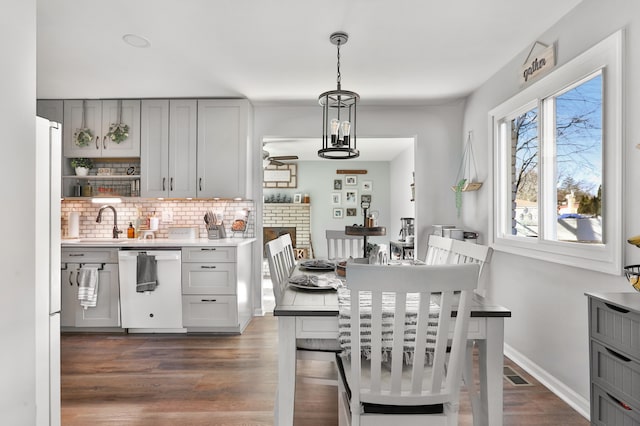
{"x":17,"y":304}
{"x":548,"y":330}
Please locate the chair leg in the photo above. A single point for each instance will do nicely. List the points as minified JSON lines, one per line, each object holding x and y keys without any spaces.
{"x":467,"y":377}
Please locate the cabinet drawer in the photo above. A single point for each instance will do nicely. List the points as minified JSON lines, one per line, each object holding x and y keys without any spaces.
{"x":209,"y":311}
{"x":616,"y":371}
{"x":209,"y":278}
{"x":89,"y":255}
{"x":208,"y":254}
{"x":608,"y":410}
{"x":616,"y":327}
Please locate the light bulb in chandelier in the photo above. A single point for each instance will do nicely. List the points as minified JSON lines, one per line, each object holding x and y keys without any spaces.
{"x":335,"y":127}
{"x":346,"y":130}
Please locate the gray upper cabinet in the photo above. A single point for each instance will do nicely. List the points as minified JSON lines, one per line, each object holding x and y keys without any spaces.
{"x":195,"y":148}
{"x":98,"y":116}
{"x":50,"y":109}
{"x":223,"y":140}
{"x":168,"y":148}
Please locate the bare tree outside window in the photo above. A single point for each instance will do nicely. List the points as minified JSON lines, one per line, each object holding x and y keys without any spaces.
{"x":575,"y":117}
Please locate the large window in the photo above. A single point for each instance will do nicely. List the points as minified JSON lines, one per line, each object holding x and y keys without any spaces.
{"x":557,"y":157}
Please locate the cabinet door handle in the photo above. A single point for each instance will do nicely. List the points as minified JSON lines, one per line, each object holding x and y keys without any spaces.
{"x":70,"y":278}
{"x":104,"y":142}
{"x":97,"y":140}
{"x":208,"y":300}
{"x":620,"y":403}
{"x":617,"y":355}
{"x":208,"y":249}
{"x":200,"y":184}
{"x":207,"y":267}
{"x":164,"y":180}
{"x":76,"y":254}
{"x":171,"y":184}
{"x":616,"y":308}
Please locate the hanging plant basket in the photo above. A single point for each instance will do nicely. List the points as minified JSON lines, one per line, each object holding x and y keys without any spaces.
{"x":118,"y":132}
{"x":468,"y":171}
{"x":83,"y":136}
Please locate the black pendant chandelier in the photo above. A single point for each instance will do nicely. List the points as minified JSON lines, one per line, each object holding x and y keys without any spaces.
{"x":339,"y":115}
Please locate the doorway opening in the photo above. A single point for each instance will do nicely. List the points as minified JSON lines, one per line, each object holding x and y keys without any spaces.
{"x":384,"y":172}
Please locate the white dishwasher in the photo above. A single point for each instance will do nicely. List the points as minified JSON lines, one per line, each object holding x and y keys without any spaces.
{"x":158,"y":310}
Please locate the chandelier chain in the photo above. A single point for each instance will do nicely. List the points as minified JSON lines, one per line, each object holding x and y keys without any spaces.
{"x":339,"y":75}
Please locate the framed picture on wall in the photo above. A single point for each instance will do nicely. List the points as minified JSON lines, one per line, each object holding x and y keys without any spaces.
{"x":336,"y":198}
{"x":351,"y":180}
{"x":352,"y":212}
{"x":351,"y":197}
{"x":367,"y":185}
{"x":337,"y":213}
{"x":337,"y":184}
{"x":297,"y":198}
{"x":365,"y":198}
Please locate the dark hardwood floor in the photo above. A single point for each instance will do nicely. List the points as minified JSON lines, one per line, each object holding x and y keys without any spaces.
{"x":110,"y":379}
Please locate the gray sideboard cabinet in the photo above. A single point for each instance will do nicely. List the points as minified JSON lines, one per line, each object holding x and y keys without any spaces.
{"x":614,"y":344}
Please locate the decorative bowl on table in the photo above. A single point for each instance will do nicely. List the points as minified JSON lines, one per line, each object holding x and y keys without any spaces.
{"x":632,"y":272}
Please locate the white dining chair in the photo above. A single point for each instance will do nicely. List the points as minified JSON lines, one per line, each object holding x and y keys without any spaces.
{"x":465,"y":252}
{"x":375,"y":384}
{"x":443,"y":250}
{"x":438,"y":250}
{"x":281,"y":266}
{"x":343,"y":246}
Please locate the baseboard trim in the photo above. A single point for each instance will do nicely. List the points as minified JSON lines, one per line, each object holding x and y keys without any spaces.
{"x":568,"y":395}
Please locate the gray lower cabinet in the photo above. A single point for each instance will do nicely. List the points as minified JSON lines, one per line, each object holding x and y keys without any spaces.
{"x":215,"y":288}
{"x":614,"y":344}
{"x":107,"y":311}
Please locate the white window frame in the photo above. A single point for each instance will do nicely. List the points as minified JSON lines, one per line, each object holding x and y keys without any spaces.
{"x":605,"y":257}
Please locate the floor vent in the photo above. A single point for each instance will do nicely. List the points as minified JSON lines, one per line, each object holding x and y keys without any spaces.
{"x":514,"y":378}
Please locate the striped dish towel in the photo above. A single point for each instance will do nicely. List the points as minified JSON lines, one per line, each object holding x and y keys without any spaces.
{"x":88,"y":286}
{"x":388,"y":301}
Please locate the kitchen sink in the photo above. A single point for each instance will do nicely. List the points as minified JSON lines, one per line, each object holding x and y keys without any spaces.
{"x":97,"y":241}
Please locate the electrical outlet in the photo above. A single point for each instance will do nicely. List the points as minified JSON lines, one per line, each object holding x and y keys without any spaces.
{"x":167,"y":216}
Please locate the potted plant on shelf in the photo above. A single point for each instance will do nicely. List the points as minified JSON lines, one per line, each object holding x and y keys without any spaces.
{"x":82,"y":165}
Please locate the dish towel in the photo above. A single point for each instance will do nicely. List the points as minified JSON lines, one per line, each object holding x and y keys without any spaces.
{"x":88,"y":286}
{"x":147,"y":273}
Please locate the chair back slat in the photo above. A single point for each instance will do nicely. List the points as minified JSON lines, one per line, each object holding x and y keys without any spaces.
{"x":420,"y":384}
{"x":281,"y":262}
{"x":438,"y":250}
{"x":465,"y":252}
{"x":343,"y":246}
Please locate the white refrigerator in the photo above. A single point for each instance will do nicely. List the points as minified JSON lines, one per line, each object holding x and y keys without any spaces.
{"x":47,"y":270}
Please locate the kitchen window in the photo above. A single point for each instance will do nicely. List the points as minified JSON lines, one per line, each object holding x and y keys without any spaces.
{"x":557,"y":156}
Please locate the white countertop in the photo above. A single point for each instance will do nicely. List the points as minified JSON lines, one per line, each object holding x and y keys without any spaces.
{"x":156,"y":242}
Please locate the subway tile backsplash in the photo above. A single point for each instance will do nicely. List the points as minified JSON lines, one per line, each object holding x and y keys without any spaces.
{"x":184,"y":212}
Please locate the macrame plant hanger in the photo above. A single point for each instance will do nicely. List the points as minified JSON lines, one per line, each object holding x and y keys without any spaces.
{"x":467,"y":177}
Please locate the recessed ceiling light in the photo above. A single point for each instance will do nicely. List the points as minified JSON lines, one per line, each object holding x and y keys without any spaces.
{"x":136,"y":41}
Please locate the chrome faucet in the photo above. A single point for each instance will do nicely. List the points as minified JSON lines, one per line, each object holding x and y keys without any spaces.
{"x":116,"y":231}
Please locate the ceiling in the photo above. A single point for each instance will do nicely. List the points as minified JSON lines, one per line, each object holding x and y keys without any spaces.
{"x":276,"y":51}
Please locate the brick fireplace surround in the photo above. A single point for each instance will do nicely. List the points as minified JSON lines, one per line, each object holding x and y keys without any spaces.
{"x":289,"y":215}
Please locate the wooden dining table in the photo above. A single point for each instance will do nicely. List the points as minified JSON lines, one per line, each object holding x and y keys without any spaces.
{"x":313,"y":314}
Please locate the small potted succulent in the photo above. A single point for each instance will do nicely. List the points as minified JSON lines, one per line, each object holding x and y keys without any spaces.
{"x":82,"y":165}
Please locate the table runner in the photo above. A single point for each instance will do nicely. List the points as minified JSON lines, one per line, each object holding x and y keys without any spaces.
{"x":388,"y":301}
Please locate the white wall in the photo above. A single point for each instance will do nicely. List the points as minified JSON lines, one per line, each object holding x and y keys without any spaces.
{"x":17,"y":312}
{"x":548,"y":329}
{"x":400,"y":171}
{"x":436,"y":130}
{"x":316,"y":179}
